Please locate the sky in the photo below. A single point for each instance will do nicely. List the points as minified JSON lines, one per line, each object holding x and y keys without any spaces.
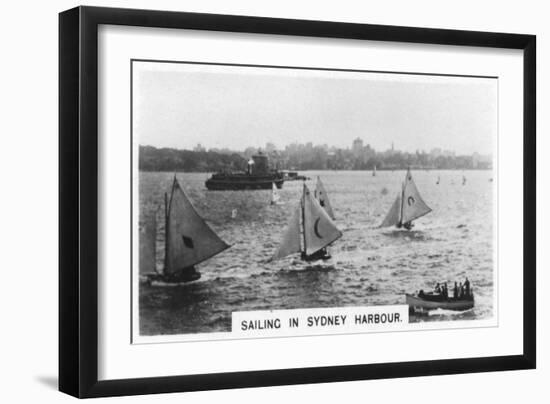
{"x":180,"y":105}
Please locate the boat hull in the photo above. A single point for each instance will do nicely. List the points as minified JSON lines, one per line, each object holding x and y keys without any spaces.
{"x":418,"y":304}
{"x":318,"y":256}
{"x":160,"y":279}
{"x":229,"y":184}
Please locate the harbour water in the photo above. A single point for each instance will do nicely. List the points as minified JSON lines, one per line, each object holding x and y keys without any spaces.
{"x":370,"y":266}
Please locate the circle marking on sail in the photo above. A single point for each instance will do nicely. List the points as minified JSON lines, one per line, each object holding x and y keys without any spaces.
{"x":410,"y":201}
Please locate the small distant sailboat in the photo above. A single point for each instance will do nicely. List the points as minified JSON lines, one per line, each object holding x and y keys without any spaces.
{"x":408,"y":206}
{"x":188,"y":240}
{"x":463,"y":180}
{"x":309,"y":231}
{"x":374,"y":171}
{"x":322,"y":196}
{"x":275,"y":197}
{"x":438,"y":180}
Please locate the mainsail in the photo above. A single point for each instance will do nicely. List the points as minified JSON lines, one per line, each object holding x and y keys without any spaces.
{"x":147,"y":245}
{"x":322,"y":197}
{"x":189,"y":239}
{"x":290,"y":243}
{"x":413,"y":206}
{"x":408,"y":205}
{"x":394,"y":215}
{"x":319,"y":229}
{"x":274,"y":195}
{"x":316,"y":227}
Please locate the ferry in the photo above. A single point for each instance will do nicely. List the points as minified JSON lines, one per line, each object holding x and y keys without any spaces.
{"x":257,"y":176}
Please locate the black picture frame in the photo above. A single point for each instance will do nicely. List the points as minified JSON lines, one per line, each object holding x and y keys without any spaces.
{"x":78,"y":200}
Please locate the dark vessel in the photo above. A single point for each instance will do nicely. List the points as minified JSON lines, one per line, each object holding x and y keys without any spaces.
{"x":257,"y":176}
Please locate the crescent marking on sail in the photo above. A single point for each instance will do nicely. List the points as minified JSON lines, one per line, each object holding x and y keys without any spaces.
{"x":316,"y":228}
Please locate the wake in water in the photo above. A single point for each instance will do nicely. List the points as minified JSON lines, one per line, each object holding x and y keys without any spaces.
{"x":452,"y":313}
{"x":309,"y":268}
{"x":418,"y":235}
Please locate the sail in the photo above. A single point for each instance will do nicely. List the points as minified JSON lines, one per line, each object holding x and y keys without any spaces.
{"x":322,"y":197}
{"x":147,"y":245}
{"x":189,"y":239}
{"x":393,"y":216}
{"x":319,"y":229}
{"x":290,"y":243}
{"x":413,"y":205}
{"x":274,"y":195}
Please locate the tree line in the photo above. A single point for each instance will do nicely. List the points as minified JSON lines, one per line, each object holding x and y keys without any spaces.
{"x":166,"y":159}
{"x":300,"y":157}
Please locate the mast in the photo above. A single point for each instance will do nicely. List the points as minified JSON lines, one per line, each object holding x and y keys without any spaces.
{"x":402,"y":201}
{"x":165,"y":231}
{"x":302,"y":206}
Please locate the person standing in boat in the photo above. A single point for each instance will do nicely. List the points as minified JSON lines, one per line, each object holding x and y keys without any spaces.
{"x":455,"y":291}
{"x":467,"y":287}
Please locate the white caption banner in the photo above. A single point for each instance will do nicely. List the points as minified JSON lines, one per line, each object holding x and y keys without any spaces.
{"x":319,"y":321}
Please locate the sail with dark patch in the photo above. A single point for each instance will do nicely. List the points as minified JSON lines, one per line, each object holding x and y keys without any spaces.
{"x":413,"y":204}
{"x":189,"y":239}
{"x":322,"y":196}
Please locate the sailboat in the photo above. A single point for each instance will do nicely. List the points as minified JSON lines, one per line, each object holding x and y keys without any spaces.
{"x":275,"y":197}
{"x":374,"y":172}
{"x":322,"y":196}
{"x":438,"y":179}
{"x":188,"y":240}
{"x":309,"y":232}
{"x":407,"y":207}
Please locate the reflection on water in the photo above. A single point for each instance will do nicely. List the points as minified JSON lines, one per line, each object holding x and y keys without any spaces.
{"x":370,"y":266}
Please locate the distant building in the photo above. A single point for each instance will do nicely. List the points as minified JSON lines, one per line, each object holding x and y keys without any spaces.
{"x":270,"y":147}
{"x":357,"y":147}
{"x":199,"y":148}
{"x":438,"y":152}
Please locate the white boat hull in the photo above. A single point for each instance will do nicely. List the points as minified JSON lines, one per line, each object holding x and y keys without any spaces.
{"x":418,"y":304}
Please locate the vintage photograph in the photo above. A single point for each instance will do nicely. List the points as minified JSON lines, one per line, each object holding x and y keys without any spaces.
{"x":263,"y":188}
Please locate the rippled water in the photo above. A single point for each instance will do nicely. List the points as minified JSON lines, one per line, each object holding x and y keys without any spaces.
{"x":370,"y":266}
